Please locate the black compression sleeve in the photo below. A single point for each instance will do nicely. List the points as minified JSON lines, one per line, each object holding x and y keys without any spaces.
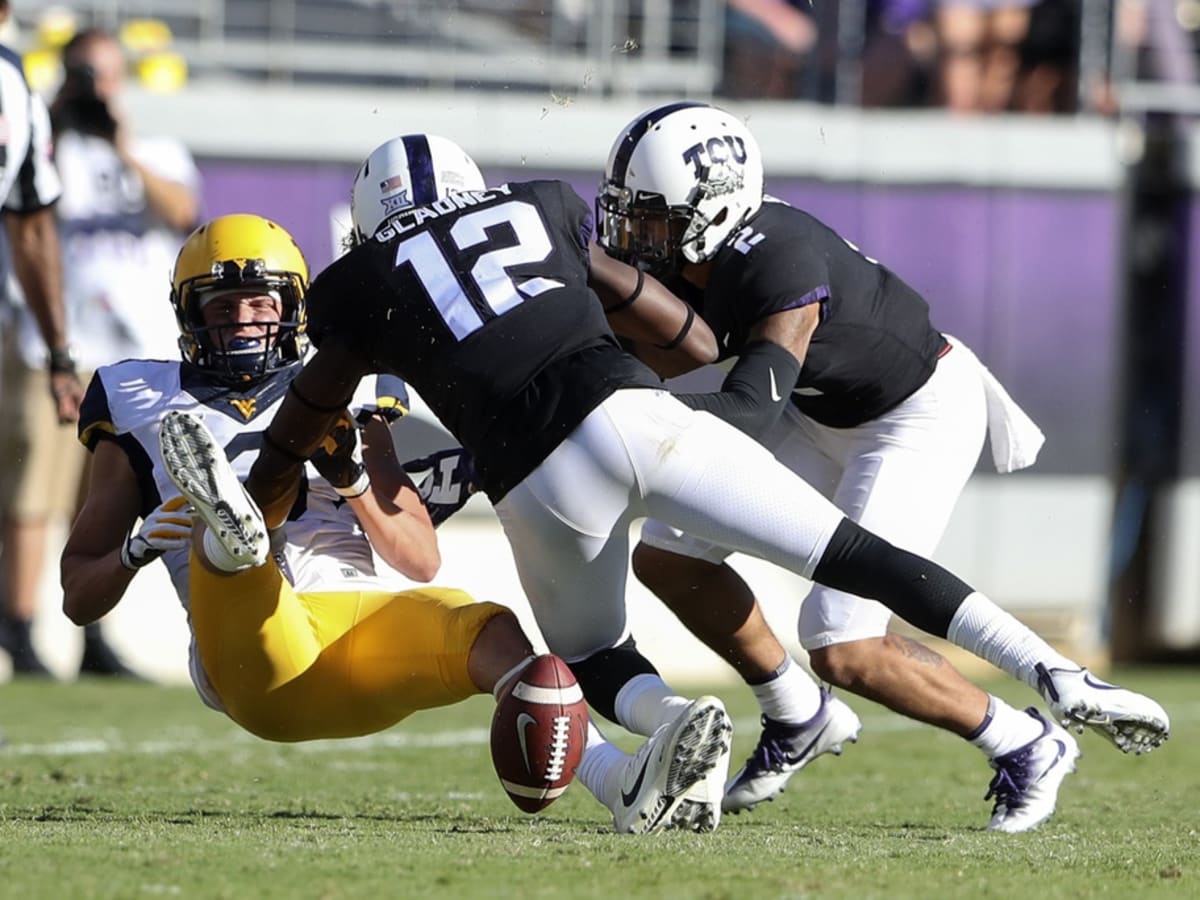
{"x":604,"y":673}
{"x":283,"y":451}
{"x":917,"y":590}
{"x":317,"y":407}
{"x":755,"y":390}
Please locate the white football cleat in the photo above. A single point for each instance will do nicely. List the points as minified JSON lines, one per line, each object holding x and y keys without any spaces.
{"x":1027,"y":779}
{"x":675,"y":778}
{"x":783,"y":750}
{"x":1133,"y":722}
{"x":203,"y":475}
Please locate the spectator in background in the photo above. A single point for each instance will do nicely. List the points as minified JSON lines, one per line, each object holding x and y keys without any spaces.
{"x":899,"y":53}
{"x":127,"y":204}
{"x":1048,"y":78}
{"x":29,"y":188}
{"x":766,"y":45}
{"x":980,"y":43}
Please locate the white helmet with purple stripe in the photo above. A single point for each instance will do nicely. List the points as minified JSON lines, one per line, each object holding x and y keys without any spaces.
{"x":680,"y":179}
{"x":410,"y":170}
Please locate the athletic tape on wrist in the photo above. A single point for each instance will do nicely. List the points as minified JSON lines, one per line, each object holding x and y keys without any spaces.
{"x":361,"y":485}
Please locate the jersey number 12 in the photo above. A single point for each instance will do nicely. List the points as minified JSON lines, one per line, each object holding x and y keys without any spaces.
{"x":488,"y":279}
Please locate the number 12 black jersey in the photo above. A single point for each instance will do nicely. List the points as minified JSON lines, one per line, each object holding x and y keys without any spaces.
{"x":480,"y":302}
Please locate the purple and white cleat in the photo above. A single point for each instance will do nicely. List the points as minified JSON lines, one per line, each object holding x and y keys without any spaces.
{"x":783,"y":750}
{"x":1133,"y":722}
{"x":1027,"y":779}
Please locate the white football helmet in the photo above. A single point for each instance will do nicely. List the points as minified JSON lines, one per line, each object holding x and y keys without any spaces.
{"x":407,"y":171}
{"x":680,"y":179}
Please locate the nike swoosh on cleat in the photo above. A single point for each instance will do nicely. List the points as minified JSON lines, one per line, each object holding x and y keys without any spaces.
{"x":1096,"y":683}
{"x":628,"y":798}
{"x":1045,"y":684}
{"x":524,"y":720}
{"x":792,"y":759}
{"x":775,"y":397}
{"x":1062,"y":751}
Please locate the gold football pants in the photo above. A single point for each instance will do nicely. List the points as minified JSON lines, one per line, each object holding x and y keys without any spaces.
{"x":299,"y":667}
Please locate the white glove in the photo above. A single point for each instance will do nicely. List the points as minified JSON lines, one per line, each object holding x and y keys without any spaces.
{"x":167,"y":528}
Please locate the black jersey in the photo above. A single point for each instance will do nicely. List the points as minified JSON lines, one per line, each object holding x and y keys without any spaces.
{"x":480,"y":302}
{"x":874,"y":345}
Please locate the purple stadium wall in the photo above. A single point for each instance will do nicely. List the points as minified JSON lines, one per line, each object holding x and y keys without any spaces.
{"x":1026,"y":277}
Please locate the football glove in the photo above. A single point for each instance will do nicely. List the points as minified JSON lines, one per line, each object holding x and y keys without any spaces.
{"x":339,"y":459}
{"x":391,"y":401}
{"x":167,"y":528}
{"x":449,"y":484}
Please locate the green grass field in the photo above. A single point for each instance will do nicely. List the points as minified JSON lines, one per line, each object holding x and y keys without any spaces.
{"x":132,"y":791}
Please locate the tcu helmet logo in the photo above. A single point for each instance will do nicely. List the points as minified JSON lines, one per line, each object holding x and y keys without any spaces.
{"x":716,"y":151}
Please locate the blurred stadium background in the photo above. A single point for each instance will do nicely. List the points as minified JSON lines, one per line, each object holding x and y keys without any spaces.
{"x":1053,"y":235}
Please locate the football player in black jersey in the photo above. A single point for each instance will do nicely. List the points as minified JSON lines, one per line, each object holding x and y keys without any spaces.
{"x":841,"y":375}
{"x":481,"y":299}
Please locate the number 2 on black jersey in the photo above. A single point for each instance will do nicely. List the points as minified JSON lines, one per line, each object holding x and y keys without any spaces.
{"x":488,"y":279}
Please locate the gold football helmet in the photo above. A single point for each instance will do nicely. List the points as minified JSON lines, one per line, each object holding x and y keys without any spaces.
{"x":232,"y":253}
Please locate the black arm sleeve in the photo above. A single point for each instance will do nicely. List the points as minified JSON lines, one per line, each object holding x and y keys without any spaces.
{"x":755,"y":390}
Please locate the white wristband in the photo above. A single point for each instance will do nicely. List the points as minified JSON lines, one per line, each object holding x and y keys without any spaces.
{"x":135,"y":564}
{"x":361,"y":485}
{"x":126,"y":559}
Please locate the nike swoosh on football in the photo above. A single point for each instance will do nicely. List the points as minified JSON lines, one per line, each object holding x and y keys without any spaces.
{"x":524,"y":720}
{"x":775,"y":398}
{"x":628,"y":798}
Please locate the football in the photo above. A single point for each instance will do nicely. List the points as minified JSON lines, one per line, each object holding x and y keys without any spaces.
{"x":538,"y":733}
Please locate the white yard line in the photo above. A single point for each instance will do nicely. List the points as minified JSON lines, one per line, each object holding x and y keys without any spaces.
{"x":399,"y":739}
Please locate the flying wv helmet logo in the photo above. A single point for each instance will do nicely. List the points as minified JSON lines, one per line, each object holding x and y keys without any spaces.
{"x":246,"y":406}
{"x":394,"y":195}
{"x":718,"y":163}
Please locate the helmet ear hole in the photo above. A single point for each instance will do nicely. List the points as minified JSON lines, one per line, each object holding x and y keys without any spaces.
{"x":702,"y":161}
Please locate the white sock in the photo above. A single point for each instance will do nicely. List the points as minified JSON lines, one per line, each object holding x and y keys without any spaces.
{"x":218,"y":556}
{"x":1005,"y":729}
{"x":646,"y":702}
{"x":600,"y":761}
{"x":989,"y":632}
{"x":788,"y":694}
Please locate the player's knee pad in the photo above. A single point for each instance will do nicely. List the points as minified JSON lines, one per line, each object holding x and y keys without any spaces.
{"x":603,"y":674}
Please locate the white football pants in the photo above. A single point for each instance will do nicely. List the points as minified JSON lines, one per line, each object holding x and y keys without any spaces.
{"x":899,"y":476}
{"x":643,"y":453}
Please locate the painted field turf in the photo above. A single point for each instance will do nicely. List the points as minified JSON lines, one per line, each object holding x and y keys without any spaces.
{"x":138,"y":791}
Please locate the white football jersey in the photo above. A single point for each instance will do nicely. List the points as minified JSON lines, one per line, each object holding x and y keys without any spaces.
{"x":28,"y":179}
{"x":117,"y":253}
{"x":326,"y":549}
